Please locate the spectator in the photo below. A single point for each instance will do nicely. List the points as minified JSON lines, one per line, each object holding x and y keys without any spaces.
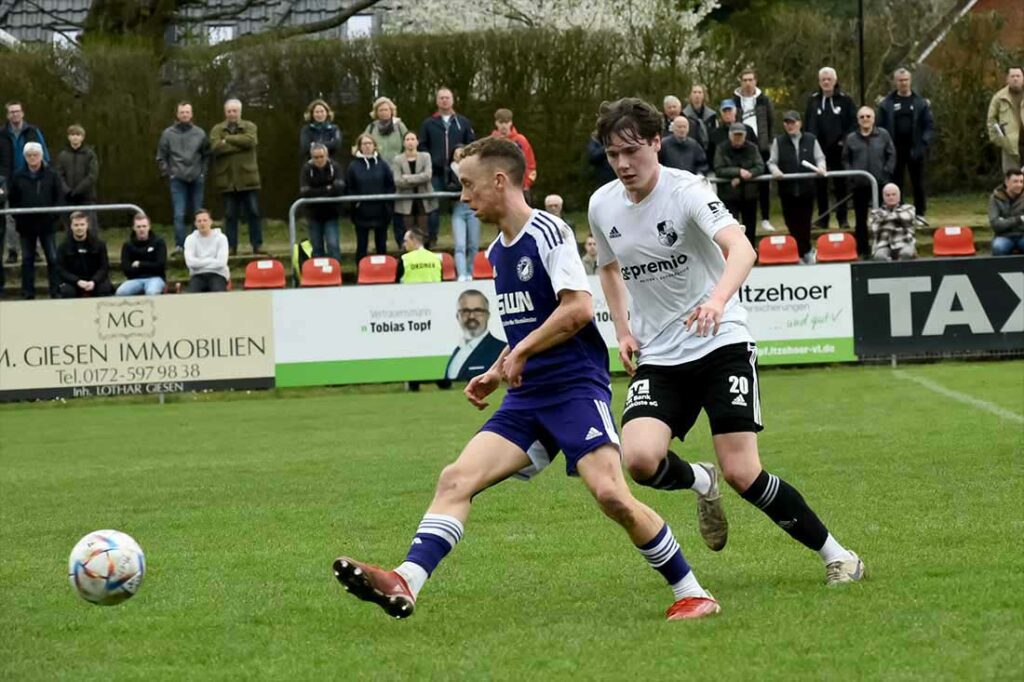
{"x":907,"y":117}
{"x":598,"y":162}
{"x":143,"y":260}
{"x":739,"y":161}
{"x":36,"y":186}
{"x":720,"y":135}
{"x":319,"y":129}
{"x":368,"y":174}
{"x":417,"y":264}
{"x":182,"y":155}
{"x":206,"y":256}
{"x":1005,"y":116}
{"x":321,"y":177}
{"x":670,"y":107}
{"x":1006,"y":214}
{"x":465,"y":225}
{"x":590,"y":255}
{"x":679,"y":150}
{"x":869,"y":149}
{"x":82,"y":264}
{"x":236,"y":174}
{"x":440,"y":134}
{"x":503,"y":127}
{"x":3,"y":231}
{"x":831,"y":115}
{"x":79,"y":169}
{"x":386,"y":128}
{"x":791,"y":152}
{"x":702,"y":119}
{"x":755,"y":109}
{"x":554,"y":204}
{"x":892,"y":227}
{"x":412,"y":171}
{"x":13,"y":138}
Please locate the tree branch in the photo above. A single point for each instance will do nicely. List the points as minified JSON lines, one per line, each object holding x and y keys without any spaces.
{"x":59,"y":20}
{"x":286,"y":32}
{"x":220,"y":14}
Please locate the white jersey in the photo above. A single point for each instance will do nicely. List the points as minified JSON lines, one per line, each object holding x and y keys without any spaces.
{"x":669,"y":261}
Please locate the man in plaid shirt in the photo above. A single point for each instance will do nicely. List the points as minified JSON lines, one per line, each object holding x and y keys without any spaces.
{"x":892,"y":227}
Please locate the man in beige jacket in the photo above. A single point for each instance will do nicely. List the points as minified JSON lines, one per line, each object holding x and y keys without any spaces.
{"x":1005,"y":114}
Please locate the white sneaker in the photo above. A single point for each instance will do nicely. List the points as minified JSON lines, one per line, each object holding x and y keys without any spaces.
{"x":767,"y":226}
{"x":810,"y":258}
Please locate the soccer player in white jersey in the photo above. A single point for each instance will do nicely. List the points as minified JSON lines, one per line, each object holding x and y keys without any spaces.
{"x":556,"y":367}
{"x":665,"y":238}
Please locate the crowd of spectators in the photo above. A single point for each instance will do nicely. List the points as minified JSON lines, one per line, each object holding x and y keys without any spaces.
{"x":735,"y":145}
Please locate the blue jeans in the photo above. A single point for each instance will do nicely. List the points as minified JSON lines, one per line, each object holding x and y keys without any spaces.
{"x":28,"y":267}
{"x":150,"y":286}
{"x":186,"y":197}
{"x":247,"y":200}
{"x":466,"y":229}
{"x":1004,"y":246}
{"x":434,"y":217}
{"x":326,"y":233}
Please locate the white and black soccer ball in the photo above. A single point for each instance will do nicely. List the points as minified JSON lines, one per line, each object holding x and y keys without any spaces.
{"x":106,"y":567}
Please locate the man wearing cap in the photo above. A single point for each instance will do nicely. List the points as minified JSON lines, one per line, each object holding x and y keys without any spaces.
{"x":740,"y":161}
{"x":793,"y":152}
{"x":727,"y":111}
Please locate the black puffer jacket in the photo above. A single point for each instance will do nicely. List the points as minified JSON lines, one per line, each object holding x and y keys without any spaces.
{"x":35,"y":190}
{"x":83,"y":260}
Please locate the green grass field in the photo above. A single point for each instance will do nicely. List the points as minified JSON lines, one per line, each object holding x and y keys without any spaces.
{"x":241,"y":503}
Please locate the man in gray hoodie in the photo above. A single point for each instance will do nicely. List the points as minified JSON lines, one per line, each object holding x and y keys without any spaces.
{"x":206,"y":255}
{"x":181,"y":156}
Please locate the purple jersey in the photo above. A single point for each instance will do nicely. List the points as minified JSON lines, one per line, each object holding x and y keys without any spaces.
{"x":529,"y":273}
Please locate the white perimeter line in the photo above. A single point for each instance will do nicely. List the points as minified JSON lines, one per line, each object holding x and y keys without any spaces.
{"x":961,"y":397}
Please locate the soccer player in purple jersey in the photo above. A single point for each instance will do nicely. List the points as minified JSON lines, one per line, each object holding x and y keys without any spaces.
{"x":556,"y":368}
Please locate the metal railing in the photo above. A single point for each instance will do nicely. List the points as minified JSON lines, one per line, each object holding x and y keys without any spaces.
{"x":768,"y":177}
{"x":351,"y":199}
{"x":71,"y":209}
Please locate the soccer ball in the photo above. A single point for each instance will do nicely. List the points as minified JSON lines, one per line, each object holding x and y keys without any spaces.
{"x":106,"y":567}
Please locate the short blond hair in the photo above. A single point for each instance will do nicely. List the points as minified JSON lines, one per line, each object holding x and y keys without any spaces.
{"x":383,"y":100}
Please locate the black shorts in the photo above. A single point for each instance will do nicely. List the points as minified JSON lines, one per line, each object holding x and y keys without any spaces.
{"x":723,"y":383}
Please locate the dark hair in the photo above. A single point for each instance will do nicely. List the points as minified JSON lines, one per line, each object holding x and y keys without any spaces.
{"x":749,"y":70}
{"x":1013,"y":171}
{"x":630,"y":115}
{"x":419,"y":234}
{"x":1015,"y":67}
{"x":503,"y":115}
{"x":78,"y":215}
{"x":202,"y":210}
{"x":12,"y":103}
{"x":506,"y":153}
{"x":318,"y":103}
{"x":182,"y":103}
{"x":76,"y":128}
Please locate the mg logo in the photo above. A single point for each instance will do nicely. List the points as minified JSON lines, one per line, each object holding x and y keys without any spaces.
{"x":125,"y":318}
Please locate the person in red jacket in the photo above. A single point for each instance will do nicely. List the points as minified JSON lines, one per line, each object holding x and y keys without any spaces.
{"x":503,"y":127}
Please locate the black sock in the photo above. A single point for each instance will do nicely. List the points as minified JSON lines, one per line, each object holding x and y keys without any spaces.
{"x":672,"y":474}
{"x":786,"y":507}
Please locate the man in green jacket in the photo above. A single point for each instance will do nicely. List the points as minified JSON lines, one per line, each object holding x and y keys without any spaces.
{"x":236,"y":174}
{"x":739,"y":160}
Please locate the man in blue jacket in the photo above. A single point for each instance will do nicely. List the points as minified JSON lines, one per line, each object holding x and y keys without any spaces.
{"x":907,"y":117}
{"x":440,"y":134}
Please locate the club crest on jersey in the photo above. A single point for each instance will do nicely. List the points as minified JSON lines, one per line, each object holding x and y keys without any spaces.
{"x":524,"y":269}
{"x":667,"y":235}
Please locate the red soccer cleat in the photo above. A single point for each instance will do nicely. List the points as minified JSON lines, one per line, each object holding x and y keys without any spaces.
{"x":386,"y":589}
{"x":689,"y":608}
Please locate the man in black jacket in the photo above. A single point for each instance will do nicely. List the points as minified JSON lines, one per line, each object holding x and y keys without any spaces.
{"x":678,"y":150}
{"x":830,"y":116}
{"x":869,"y":148}
{"x":13,"y":137}
{"x":791,"y":153}
{"x":34,"y":187}
{"x":82,"y":264}
{"x":440,"y":134}
{"x":908,"y":119}
{"x":321,"y":177}
{"x":143,"y":260}
{"x":755,"y":109}
{"x":740,"y":161}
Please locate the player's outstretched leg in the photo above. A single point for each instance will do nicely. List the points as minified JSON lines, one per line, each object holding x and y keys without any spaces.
{"x":645,"y":442}
{"x":487,"y":459}
{"x":741,"y":466}
{"x":602,"y":473}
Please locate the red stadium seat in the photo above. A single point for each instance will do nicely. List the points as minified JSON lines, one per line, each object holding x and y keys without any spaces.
{"x":447,"y":267}
{"x":378,"y":270}
{"x":321,"y":272}
{"x":482,"y":267}
{"x":777,"y":250}
{"x":837,"y":247}
{"x":264,"y":274}
{"x":953,"y":241}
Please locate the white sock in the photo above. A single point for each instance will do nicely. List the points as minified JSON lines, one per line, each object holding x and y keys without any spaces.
{"x":833,"y":551}
{"x":701,"y":480}
{"x":688,"y":587}
{"x":414,"y":575}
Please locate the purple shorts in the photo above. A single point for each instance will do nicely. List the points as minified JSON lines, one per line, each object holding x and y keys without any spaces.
{"x":577,"y":426}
